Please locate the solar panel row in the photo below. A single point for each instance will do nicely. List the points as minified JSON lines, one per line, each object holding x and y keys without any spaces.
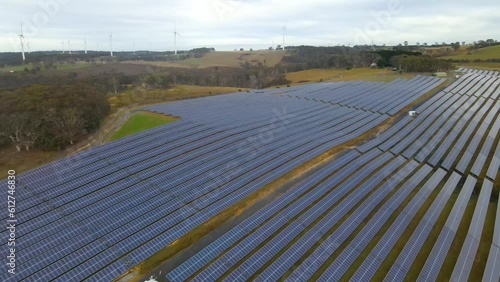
{"x":471,"y":244}
{"x":408,"y":254}
{"x":481,"y":72}
{"x":492,"y":270}
{"x":433,"y":264}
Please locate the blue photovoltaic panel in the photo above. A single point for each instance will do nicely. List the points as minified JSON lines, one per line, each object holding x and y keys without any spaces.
{"x":438,"y":254}
{"x":471,"y":243}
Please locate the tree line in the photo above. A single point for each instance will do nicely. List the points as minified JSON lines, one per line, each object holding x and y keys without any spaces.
{"x":308,"y":57}
{"x":50,"y":117}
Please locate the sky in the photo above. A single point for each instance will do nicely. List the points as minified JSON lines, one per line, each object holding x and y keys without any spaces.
{"x":230,"y":24}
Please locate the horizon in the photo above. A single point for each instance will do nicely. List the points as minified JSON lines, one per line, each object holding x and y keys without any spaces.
{"x":228,"y":24}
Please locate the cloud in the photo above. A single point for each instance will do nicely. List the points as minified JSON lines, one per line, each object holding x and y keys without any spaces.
{"x":228,"y":24}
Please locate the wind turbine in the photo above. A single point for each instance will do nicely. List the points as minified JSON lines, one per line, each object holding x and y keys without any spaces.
{"x":69,"y":47}
{"x":284,"y":31}
{"x":111,"y":44}
{"x":85,"y":45}
{"x":62,"y":44}
{"x":175,"y":38}
{"x":21,"y":38}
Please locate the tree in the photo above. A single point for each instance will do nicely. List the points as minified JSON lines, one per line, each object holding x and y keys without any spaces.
{"x":68,"y":123}
{"x":381,"y":63}
{"x":406,"y":43}
{"x":12,"y":128}
{"x":21,"y":130}
{"x":241,"y":49}
{"x":455,"y":45}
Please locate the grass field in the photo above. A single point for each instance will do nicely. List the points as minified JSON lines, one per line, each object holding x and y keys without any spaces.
{"x":222,"y":59}
{"x":141,"y":121}
{"x":481,"y":65}
{"x":492,"y":52}
{"x":178,"y":92}
{"x":60,"y":67}
{"x":73,"y":66}
{"x":316,"y":75}
{"x":14,"y":68}
{"x":24,"y":161}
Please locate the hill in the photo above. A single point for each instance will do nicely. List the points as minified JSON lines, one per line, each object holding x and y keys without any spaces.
{"x":222,"y":59}
{"x":492,"y":52}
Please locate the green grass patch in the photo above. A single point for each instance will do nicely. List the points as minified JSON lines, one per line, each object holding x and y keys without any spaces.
{"x":141,"y":121}
{"x":18,"y":68}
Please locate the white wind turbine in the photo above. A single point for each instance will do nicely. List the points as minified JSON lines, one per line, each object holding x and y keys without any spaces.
{"x":85,"y":45}
{"x":175,"y":38}
{"x":69,"y":47}
{"x":111,"y":44}
{"x":62,"y":44}
{"x":21,"y":38}
{"x":284,"y":32}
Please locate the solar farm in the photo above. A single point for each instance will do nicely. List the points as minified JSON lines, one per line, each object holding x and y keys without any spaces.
{"x":99,"y":213}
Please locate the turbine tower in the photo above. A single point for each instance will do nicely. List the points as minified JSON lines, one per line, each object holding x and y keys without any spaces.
{"x":21,"y":38}
{"x":85,"y":45}
{"x":284,"y":31}
{"x":111,"y":44}
{"x":175,"y":38}
{"x":62,"y":44}
{"x":69,"y":47}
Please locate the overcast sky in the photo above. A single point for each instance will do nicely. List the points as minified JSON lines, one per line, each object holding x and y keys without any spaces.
{"x":229,"y":24}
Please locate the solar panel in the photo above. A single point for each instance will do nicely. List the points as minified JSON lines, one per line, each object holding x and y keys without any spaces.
{"x":471,"y":244}
{"x":438,"y":254}
{"x":406,"y":257}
